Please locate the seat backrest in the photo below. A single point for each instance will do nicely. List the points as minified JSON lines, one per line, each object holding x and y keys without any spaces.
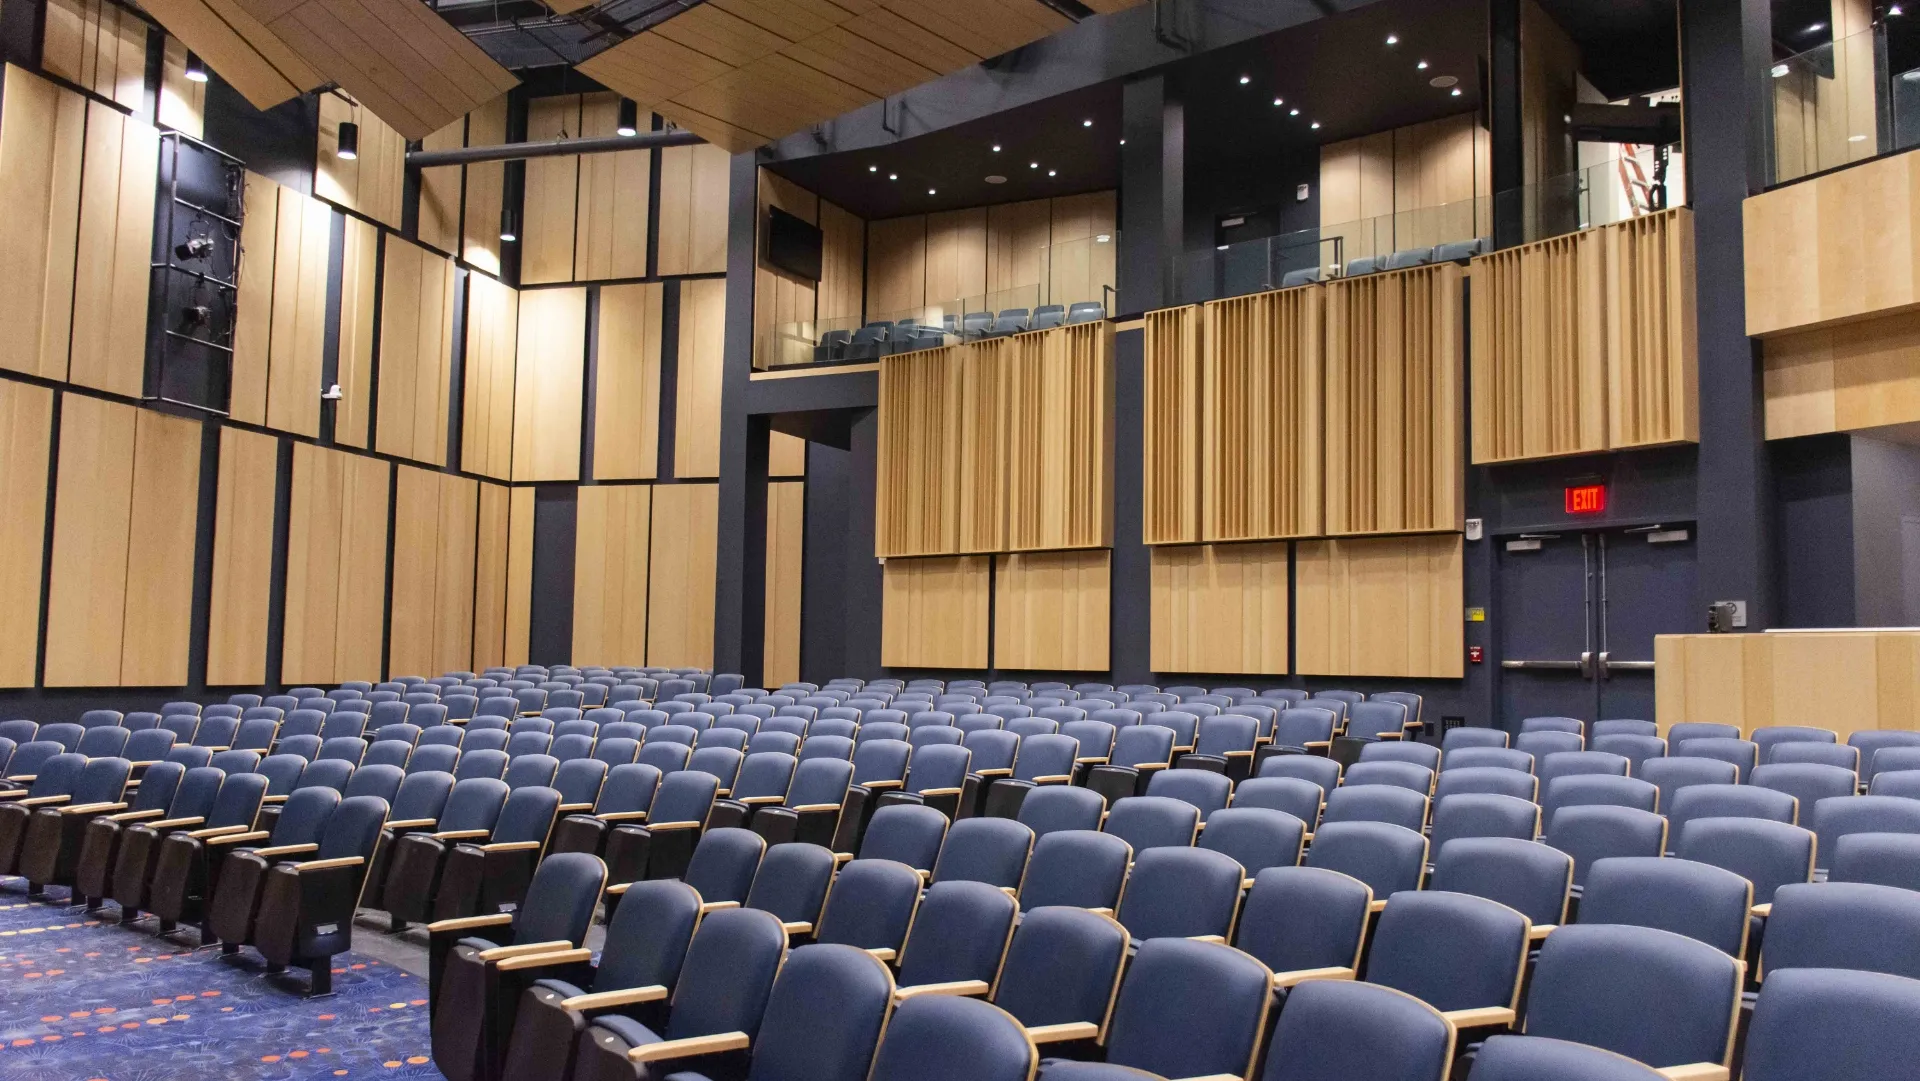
{"x":1425,"y":755}
{"x":946,"y":1038}
{"x":933,"y":736}
{"x":1190,"y":1009}
{"x":345,"y":748}
{"x":819,"y":782}
{"x":871,"y":905}
{"x":989,"y":850}
{"x":1453,"y":951}
{"x":1491,"y":780}
{"x":1543,"y":743}
{"x":1807,"y":782}
{"x":648,"y":935}
{"x":722,"y":762}
{"x":766,"y":773}
{"x":1636,"y":749}
{"x":1699,"y":900}
{"x":938,"y":767}
{"x":1553,"y":724}
{"x":798,"y":1039}
{"x":1661,"y":998}
{"x":1376,"y":803}
{"x":1838,"y":755}
{"x":1153,"y":822}
{"x":388,"y":752}
{"x":236,"y":761}
{"x":1408,"y":1039}
{"x":665,"y":756}
{"x":728,"y":973}
{"x":724,"y":864}
{"x":422,"y":795}
{"x":238,"y":802}
{"x":1483,"y":814}
{"x":1078,"y":868}
{"x":1386,"y":857}
{"x":1255,"y":837}
{"x":1525,"y":1058}
{"x":1063,"y":966}
{"x":212,"y":731}
{"x":1744,"y":754}
{"x":1812,"y":1025}
{"x":304,"y":816}
{"x":1768,"y":854}
{"x":473,"y":804}
{"x":1029,"y":727}
{"x":1854,"y":925}
{"x":101,"y":780}
{"x":1623,"y":726}
{"x":1301,"y":918}
{"x":1868,"y":741}
{"x":1050,"y":808}
{"x":792,"y":882}
{"x":1462,"y":738}
{"x":1407,"y":775}
{"x":1727,"y":801}
{"x":1767,"y":737}
{"x":1595,"y":789}
{"x":1596,"y":832}
{"x":685,"y":796}
{"x":906,"y":833}
{"x":1206,"y":790}
{"x":629,"y":787}
{"x":1185,"y":725}
{"x":1143,"y":744}
{"x":1670,"y":775}
{"x":1324,"y":772}
{"x":579,"y":780}
{"x":561,"y":899}
{"x":433,"y":758}
{"x":1291,"y":795}
{"x":380,"y":781}
{"x":960,"y":933}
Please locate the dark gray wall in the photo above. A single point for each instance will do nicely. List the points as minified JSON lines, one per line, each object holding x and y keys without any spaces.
{"x":1886,"y":510}
{"x":1813,"y":511}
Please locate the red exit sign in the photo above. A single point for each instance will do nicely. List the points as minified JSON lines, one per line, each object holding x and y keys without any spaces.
{"x":1587,"y":499}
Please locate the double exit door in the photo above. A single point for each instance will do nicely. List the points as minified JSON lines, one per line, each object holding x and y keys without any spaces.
{"x":1578,"y":611}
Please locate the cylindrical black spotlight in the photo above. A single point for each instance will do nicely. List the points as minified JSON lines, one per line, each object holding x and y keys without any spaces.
{"x":196,"y":68}
{"x":629,"y":117}
{"x":349,"y":144}
{"x":509,"y":224}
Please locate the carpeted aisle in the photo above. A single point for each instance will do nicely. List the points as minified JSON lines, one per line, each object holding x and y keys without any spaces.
{"x":82,"y":998}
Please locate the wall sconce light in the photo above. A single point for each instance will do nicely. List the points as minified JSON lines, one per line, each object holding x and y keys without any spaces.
{"x":349,"y":143}
{"x":509,"y":224}
{"x":629,"y":117}
{"x":196,"y":68}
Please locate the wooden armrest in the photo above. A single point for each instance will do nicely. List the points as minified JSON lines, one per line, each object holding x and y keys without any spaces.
{"x":501,"y":953}
{"x":462,"y":835}
{"x":1695,"y":1071}
{"x":798,"y":927}
{"x":1302,"y":975}
{"x":1053,"y":778}
{"x":93,"y":808}
{"x":841,"y":857}
{"x":135,"y":816}
{"x":13,"y":793}
{"x":604,"y":999}
{"x":807,"y":808}
{"x":1213,"y":1077}
{"x":176,"y":823}
{"x":284,"y":850}
{"x":618,"y":889}
{"x":215,"y":750}
{"x":881,"y":952}
{"x":622,"y":816}
{"x":217,"y":831}
{"x":993,"y":773}
{"x":1377,"y":906}
{"x":692,"y":1045}
{"x":1216,"y":939}
{"x":1540,"y":931}
{"x":715,"y":906}
{"x":953,"y":987}
{"x":42,"y":801}
{"x":242,"y":838}
{"x":1091,"y":760}
{"x":1143,"y":767}
{"x":882,"y":784}
{"x":1239,"y":754}
{"x":1479,"y":1017}
{"x":510,"y":846}
{"x":753,"y":801}
{"x":940,"y":791}
{"x":411,"y":823}
{"x":574,"y":808}
{"x":273,"y":799}
{"x":473,"y":923}
{"x":1762,"y":910}
{"x":1101,"y":911}
{"x":541,"y":960}
{"x":1318,"y":743}
{"x":328,"y":865}
{"x":144,"y":764}
{"x":1066,"y":1030}
{"x":659,"y":827}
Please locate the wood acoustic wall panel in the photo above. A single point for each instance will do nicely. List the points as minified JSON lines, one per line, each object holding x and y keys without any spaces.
{"x":1081,"y":266}
{"x":416,"y":352}
{"x":114,"y":258}
{"x":1653,"y":362}
{"x":783,"y":305}
{"x":1051,"y":611}
{"x":253,"y":315}
{"x":1842,"y":378}
{"x":702,"y":359}
{"x":896,"y":266}
{"x":956,"y":255}
{"x":916,"y":495}
{"x":336,"y":590}
{"x":370,"y":183}
{"x":611,"y":539}
{"x":42,"y":145}
{"x":693,"y":210}
{"x":183,"y":101}
{"x":98,"y":45}
{"x":1170,"y":427}
{"x":981,"y":434}
{"x":786,"y":535}
{"x":549,"y":194}
{"x":610,"y":224}
{"x":1017,"y":238}
{"x":680,"y":572}
{"x":519,"y":617}
{"x":626,"y":407}
{"x":1869,"y":680}
{"x":437,"y":224}
{"x":548,"y":385}
{"x":359,"y":269}
{"x":117,"y":611}
{"x":1059,"y":438}
{"x":280,"y":325}
{"x":298,"y":322}
{"x":235,"y":43}
{"x":494,"y":581}
{"x":1260,"y":402}
{"x":26,"y":446}
{"x":934,"y":612}
{"x":843,"y":267}
{"x":486,"y":186}
{"x":1219,"y":608}
{"x":242,"y":558}
{"x":1393,"y":404}
{"x":1380,"y":606}
{"x":786,"y":455}
{"x":493,"y":329}
{"x":436,"y":518}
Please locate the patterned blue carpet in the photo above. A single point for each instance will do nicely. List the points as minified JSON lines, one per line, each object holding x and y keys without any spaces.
{"x":83,"y":999}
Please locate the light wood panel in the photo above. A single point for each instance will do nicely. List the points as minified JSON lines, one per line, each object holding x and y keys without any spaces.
{"x":896,"y":266}
{"x":1170,"y":426}
{"x":26,"y":444}
{"x":786,"y":455}
{"x":1017,"y":238}
{"x":280,"y":322}
{"x":680,"y":565}
{"x":549,"y":194}
{"x":416,"y":352}
{"x":611,"y":539}
{"x":843,"y":264}
{"x":934,"y":612}
{"x":1380,"y":606}
{"x":253,"y":304}
{"x":1051,"y":610}
{"x":493,"y":328}
{"x":485,"y":188}
{"x":359,"y":266}
{"x":370,"y":184}
{"x":610,"y":226}
{"x":1059,"y":438}
{"x":786,"y":539}
{"x":548,"y":387}
{"x":336,"y":603}
{"x":163,"y":514}
{"x":1869,"y":680}
{"x":1219,"y":608}
{"x":942,"y":483}
{"x":1393,"y":408}
{"x":1012,"y":255}
{"x":1843,"y":378}
{"x":519,"y":576}
{"x":626,"y":406}
{"x":982,"y":441}
{"x":242,"y":558}
{"x":1080,"y":266}
{"x":694,"y":181}
{"x":1834,"y":248}
{"x":436,"y":516}
{"x":114,"y":257}
{"x":1415,"y":186}
{"x":183,"y":101}
{"x":1260,"y":424}
{"x":956,"y":254}
{"x":42,"y":144}
{"x":438,"y":222}
{"x":1653,"y":364}
{"x":703,"y":336}
{"x":783,"y":305}
{"x":98,"y":45}
{"x":233,"y":42}
{"x":500,"y":593}
{"x":298,"y":329}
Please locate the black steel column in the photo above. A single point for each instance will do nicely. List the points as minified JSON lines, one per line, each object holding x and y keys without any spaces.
{"x":1152,"y":195}
{"x":1130,"y":612}
{"x":1503,"y":122}
{"x":740,"y":565}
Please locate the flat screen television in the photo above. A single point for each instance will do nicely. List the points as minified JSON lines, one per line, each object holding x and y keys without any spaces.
{"x":793,"y":245}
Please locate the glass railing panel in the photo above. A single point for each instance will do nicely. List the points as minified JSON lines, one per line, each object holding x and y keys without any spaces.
{"x":1840,"y":103}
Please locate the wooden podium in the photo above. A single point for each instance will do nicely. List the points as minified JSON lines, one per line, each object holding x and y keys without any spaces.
{"x":1846,"y":680}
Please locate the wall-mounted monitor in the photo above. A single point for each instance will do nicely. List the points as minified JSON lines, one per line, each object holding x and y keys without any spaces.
{"x":793,"y":245}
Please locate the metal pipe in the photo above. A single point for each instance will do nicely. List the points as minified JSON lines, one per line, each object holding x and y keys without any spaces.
{"x":606,"y":144}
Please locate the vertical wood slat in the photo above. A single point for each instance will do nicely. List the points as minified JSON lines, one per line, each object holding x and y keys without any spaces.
{"x":1219,"y":608}
{"x":1051,"y":610}
{"x":1380,"y":606}
{"x":359,"y":263}
{"x":626,"y":406}
{"x":1652,"y":333}
{"x":98,"y":45}
{"x":112,"y":264}
{"x":242,"y":558}
{"x":42,"y":145}
{"x":519,"y":577}
{"x":610,"y":221}
{"x":549,"y":379}
{"x":26,"y":446}
{"x":336,"y":599}
{"x":610,"y":572}
{"x":490,"y":557}
{"x":786,"y":533}
{"x":1393,"y":459}
{"x":416,"y":352}
{"x":1260,"y":416}
{"x":493,"y":327}
{"x":913,"y":487}
{"x":976,"y":474}
{"x":371,"y":183}
{"x":1170,"y":427}
{"x":934,"y":612}
{"x":1059,"y":445}
{"x":681,"y":571}
{"x":434,"y":526}
{"x":702,"y":359}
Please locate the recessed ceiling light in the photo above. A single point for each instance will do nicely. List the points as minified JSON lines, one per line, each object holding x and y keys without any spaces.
{"x":1103,"y":238}
{"x":893,"y":176}
{"x":873,"y":168}
{"x":1315,"y":125}
{"x":1221,"y":247}
{"x":1421,"y":66}
{"x":1815,"y":28}
{"x":1278,"y":101}
{"x":1894,"y":9}
{"x":1779,"y":71}
{"x":1393,"y":39}
{"x":996,"y":148}
{"x":1293,"y":112}
{"x":1856,"y":138}
{"x":1033,"y":165}
{"x":930,"y":191}
{"x":1053,"y":172}
{"x":996,"y":179}
{"x":1123,"y":142}
{"x":1455,"y":92}
{"x":1442,"y":81}
{"x":1244,"y":80}
{"x":1086,"y":123}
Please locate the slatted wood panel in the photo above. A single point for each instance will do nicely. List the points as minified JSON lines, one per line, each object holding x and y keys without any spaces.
{"x":1170,"y":427}
{"x":42,"y":144}
{"x":1059,"y":442}
{"x":98,"y":45}
{"x":118,"y":611}
{"x":371,"y":183}
{"x":550,"y":194}
{"x":786,"y":537}
{"x":694,"y":182}
{"x":336,"y":566}
{"x":916,"y":494}
{"x":1653,"y":359}
{"x":498,"y":591}
{"x":703,"y":335}
{"x":781,"y":300}
{"x":1393,"y":460}
{"x":26,"y":444}
{"x":1260,"y":403}
{"x":280,"y":324}
{"x":1219,"y":608}
{"x":113,"y":260}
{"x":982,"y":438}
{"x":1380,"y":606}
{"x":493,"y":328}
{"x":519,"y":576}
{"x":242,"y":558}
{"x":183,"y":101}
{"x":680,"y":565}
{"x":551,"y":366}
{"x":436,"y":516}
{"x":611,"y":538}
{"x":1051,"y":610}
{"x":626,"y":430}
{"x":416,"y":352}
{"x":934,"y":612}
{"x":359,"y":264}
{"x":610,"y":226}
{"x":486,"y":186}
{"x":248,"y":56}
